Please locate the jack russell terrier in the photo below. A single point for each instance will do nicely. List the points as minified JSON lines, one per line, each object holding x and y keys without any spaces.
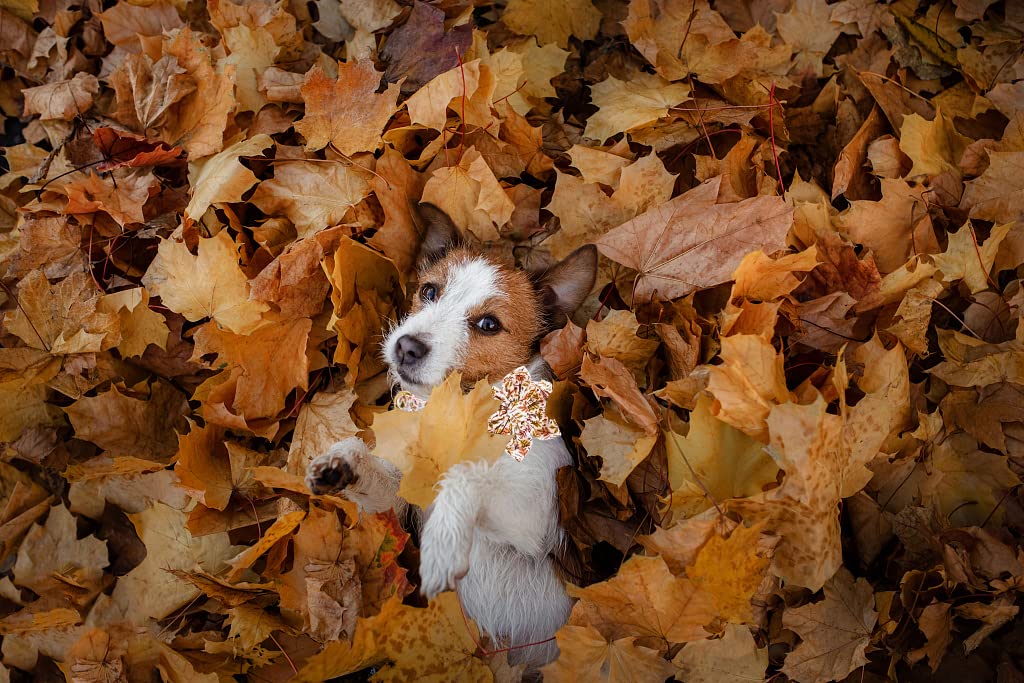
{"x":492,"y":529}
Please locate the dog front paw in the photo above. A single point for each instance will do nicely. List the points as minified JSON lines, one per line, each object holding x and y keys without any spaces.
{"x":336,"y":469}
{"x":443,"y":561}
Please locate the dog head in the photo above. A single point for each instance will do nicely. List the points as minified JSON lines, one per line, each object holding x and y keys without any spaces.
{"x":476,"y":315}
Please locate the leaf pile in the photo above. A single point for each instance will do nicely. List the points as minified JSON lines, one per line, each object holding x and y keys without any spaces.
{"x":794,"y":397}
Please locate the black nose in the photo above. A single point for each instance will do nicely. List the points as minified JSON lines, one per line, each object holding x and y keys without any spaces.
{"x":410,"y":350}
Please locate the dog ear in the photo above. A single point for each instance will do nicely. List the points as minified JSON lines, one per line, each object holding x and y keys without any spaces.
{"x":565,"y":285}
{"x":439,"y":235}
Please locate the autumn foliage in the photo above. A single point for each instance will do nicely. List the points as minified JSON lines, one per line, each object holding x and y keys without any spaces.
{"x":795,"y":397}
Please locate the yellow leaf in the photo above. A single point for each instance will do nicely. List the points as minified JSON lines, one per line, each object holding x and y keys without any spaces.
{"x":281,"y":527}
{"x":731,"y":570}
{"x":221,"y":178}
{"x":452,"y":428}
{"x":624,"y":105}
{"x":733,"y":658}
{"x":748,"y":383}
{"x":553,"y":22}
{"x":432,"y":645}
{"x":312,"y":195}
{"x":209,"y":285}
{"x":470,"y":195}
{"x":644,"y":599}
{"x":585,"y":655}
{"x":934,"y":146}
{"x":717,"y":457}
{"x":620,"y":446}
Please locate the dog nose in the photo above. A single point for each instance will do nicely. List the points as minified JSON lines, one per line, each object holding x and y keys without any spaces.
{"x":410,"y":350}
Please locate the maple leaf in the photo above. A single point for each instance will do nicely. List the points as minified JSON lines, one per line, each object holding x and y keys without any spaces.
{"x":261,"y":369}
{"x":616,"y":337}
{"x":452,"y":428}
{"x":654,"y":27}
{"x":612,"y":379}
{"x":934,"y":146}
{"x":643,"y":599}
{"x":52,"y":559}
{"x":61,"y":318}
{"x":64,"y":100}
{"x":733,"y":658}
{"x":714,"y":458}
{"x":748,"y":384}
{"x":122,"y":198}
{"x":999,"y":193}
{"x":222,"y":178}
{"x":312,"y":195}
{"x":624,"y":105}
{"x":808,"y":27}
{"x":835,"y":632}
{"x":467,"y":89}
{"x":471,"y":196}
{"x":584,"y":654}
{"x":620,"y":446}
{"x":409,"y":644}
{"x":731,"y":570}
{"x":123,"y":424}
{"x":140,"y":325}
{"x":208,"y":285}
{"x":691,"y":242}
{"x":586,"y":213}
{"x":346,"y":113}
{"x":420,"y":49}
{"x":150,"y":590}
{"x":553,"y":23}
{"x":322,"y":422}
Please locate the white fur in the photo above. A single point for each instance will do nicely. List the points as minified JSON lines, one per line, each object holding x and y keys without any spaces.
{"x":443,"y":324}
{"x":493,"y":526}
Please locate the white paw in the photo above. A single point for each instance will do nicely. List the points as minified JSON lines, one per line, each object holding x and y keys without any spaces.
{"x":336,"y":469}
{"x":444,"y":559}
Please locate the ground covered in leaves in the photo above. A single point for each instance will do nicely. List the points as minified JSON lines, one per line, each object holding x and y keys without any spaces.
{"x":794,"y":397}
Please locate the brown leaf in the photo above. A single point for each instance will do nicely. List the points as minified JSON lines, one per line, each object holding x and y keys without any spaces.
{"x":119,"y":422}
{"x":64,"y":100}
{"x":611,"y":379}
{"x":420,"y":49}
{"x":312,"y":195}
{"x":346,"y":113}
{"x":733,"y":658}
{"x":691,"y":242}
{"x":835,"y":632}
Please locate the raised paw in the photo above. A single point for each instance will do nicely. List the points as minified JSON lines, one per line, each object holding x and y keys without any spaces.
{"x":336,"y":469}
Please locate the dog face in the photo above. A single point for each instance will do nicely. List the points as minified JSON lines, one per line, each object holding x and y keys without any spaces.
{"x":475,"y":315}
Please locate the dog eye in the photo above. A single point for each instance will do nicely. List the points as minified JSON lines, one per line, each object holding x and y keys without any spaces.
{"x":428,"y":292}
{"x":488,"y":324}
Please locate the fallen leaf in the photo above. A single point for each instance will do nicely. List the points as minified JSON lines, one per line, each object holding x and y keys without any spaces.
{"x":209,"y":285}
{"x":584,"y":654}
{"x":733,"y":658}
{"x":835,"y":632}
{"x":643,"y":599}
{"x":553,"y":23}
{"x":312,"y":195}
{"x":346,"y":113}
{"x":691,"y":242}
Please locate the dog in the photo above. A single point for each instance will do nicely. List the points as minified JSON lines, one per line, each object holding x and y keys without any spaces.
{"x":491,"y":531}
